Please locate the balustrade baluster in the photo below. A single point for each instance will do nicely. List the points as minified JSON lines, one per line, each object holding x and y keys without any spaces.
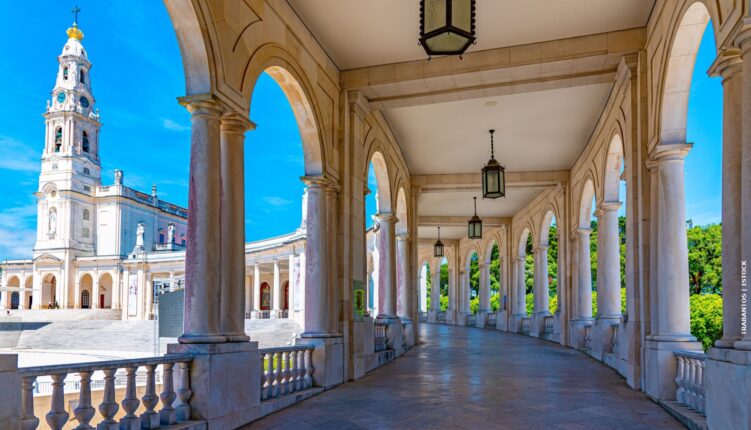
{"x":699,"y":387}
{"x":84,"y":412}
{"x":130,"y":402}
{"x":293,"y":374}
{"x":57,"y":416}
{"x":184,"y":393}
{"x":278,"y":374}
{"x":150,"y":419}
{"x":308,"y":379}
{"x":167,"y":414}
{"x":691,"y":383}
{"x":109,"y":407}
{"x":679,"y":378}
{"x":270,"y":375}
{"x":29,"y":421}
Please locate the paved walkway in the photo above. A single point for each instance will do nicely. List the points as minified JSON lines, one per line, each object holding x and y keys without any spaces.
{"x":467,"y":378}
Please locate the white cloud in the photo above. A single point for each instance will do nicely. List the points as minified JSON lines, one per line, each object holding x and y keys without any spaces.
{"x":18,"y":156}
{"x":174,"y":126}
{"x":276,"y":201}
{"x":17,"y":231}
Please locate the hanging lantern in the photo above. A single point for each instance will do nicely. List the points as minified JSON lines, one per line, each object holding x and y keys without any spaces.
{"x":493,"y":176}
{"x":474,"y":226}
{"x":438,"y":247}
{"x":447,"y":27}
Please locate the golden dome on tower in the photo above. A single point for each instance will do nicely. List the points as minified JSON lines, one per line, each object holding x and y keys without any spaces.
{"x":74,"y":32}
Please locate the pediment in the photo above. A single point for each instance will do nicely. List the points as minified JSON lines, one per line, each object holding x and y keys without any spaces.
{"x":47,"y":258}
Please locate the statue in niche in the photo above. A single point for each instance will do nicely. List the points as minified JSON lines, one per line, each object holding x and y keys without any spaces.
{"x":52,"y":222}
{"x":171,"y":233}
{"x":140,"y":232}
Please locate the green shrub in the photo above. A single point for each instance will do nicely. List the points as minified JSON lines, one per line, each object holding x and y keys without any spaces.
{"x":706,"y":318}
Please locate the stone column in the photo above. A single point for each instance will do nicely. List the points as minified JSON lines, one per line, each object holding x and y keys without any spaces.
{"x":609,"y":262}
{"x":277,"y":295}
{"x":76,"y":298}
{"x":730,"y":66}
{"x":316,"y":264}
{"x":521,"y":287}
{"x":256,"y":292}
{"x":435,"y":288}
{"x":423,"y":289}
{"x":744,"y":41}
{"x":333,"y":290}
{"x":584,"y":305}
{"x":402,"y":253}
{"x":232,"y":220}
{"x":387,"y":264}
{"x":202,"y":257}
{"x":95,"y":294}
{"x":292,"y":274}
{"x":542,"y":294}
{"x":672,"y":253}
{"x":248,"y":295}
{"x":484,"y":287}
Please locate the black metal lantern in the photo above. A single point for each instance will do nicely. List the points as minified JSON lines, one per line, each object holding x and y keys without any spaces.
{"x":493,"y":176}
{"x":474,"y":226}
{"x":438,"y":246}
{"x":447,"y":27}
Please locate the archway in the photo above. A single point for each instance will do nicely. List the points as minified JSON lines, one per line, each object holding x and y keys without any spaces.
{"x":586,"y":253}
{"x":86,"y":288}
{"x":383,"y":235}
{"x":104,"y":301}
{"x":27,"y":297}
{"x":548,"y":260}
{"x":472,"y":270}
{"x":492,"y":262}
{"x":13,"y":282}
{"x":265,"y":297}
{"x":49,"y":292}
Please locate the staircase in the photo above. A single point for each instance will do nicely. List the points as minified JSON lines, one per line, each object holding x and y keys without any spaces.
{"x":271,"y":333}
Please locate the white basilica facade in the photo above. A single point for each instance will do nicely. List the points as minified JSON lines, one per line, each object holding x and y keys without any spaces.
{"x":110,"y":246}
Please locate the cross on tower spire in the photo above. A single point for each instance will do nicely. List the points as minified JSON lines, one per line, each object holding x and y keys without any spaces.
{"x":75,"y":11}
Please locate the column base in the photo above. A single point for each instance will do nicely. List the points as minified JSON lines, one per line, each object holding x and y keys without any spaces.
{"x":220,"y":369}
{"x":727,"y":381}
{"x":501,"y":322}
{"x":236,"y":337}
{"x":537,"y":323}
{"x":516,"y":323}
{"x":328,"y":359}
{"x":577,"y":331}
{"x":201,"y":338}
{"x":432,"y":316}
{"x":602,"y":335}
{"x":409,"y":332}
{"x":482,"y":317}
{"x":744,"y":345}
{"x":661,"y":366}
{"x":277,"y":314}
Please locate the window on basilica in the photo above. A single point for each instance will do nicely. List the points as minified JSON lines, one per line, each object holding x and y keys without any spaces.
{"x":85,"y":142}
{"x":86,"y":215}
{"x":85,"y":232}
{"x":58,"y":139}
{"x":65,"y":73}
{"x":83,"y":77}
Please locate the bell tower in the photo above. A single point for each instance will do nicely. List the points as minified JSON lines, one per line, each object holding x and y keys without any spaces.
{"x":71,"y":169}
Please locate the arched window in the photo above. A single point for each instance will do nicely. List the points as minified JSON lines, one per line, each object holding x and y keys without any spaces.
{"x":86,"y":171}
{"x":14,"y":300}
{"x":65,"y":73}
{"x":83,"y":76}
{"x":86,"y":214}
{"x":85,"y":232}
{"x":85,"y":300}
{"x":58,"y":139}
{"x":85,"y":142}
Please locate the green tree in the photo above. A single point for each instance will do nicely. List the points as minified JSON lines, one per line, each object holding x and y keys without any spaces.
{"x":705,"y":259}
{"x":706,"y":318}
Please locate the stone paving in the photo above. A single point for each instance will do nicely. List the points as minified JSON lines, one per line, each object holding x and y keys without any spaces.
{"x":467,"y":378}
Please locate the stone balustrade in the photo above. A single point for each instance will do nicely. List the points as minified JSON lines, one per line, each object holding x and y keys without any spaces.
{"x":614,"y":340}
{"x":422,"y":316}
{"x":525,"y":325}
{"x":379,"y":335}
{"x":491,"y":321}
{"x":175,"y":401}
{"x":689,"y":377}
{"x":587,"y":337}
{"x":441,"y":316}
{"x":548,"y":323}
{"x":285,"y":370}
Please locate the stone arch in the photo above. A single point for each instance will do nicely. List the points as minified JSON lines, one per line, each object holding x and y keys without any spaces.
{"x":49,"y":290}
{"x":13,"y":282}
{"x":104,"y":300}
{"x":380,"y":167}
{"x":86,"y":290}
{"x":192,"y":37}
{"x":285,"y":71}
{"x":489,"y":249}
{"x":614,"y":160}
{"x":547,"y":222}
{"x":585,"y":203}
{"x":676,"y":83}
{"x":402,"y":225}
{"x":522,"y":250}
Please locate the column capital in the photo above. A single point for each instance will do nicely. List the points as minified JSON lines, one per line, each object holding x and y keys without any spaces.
{"x":317,"y":181}
{"x":541,"y":248}
{"x":668,"y":152}
{"x":402,"y":236}
{"x":609,"y":206}
{"x":234,"y":122}
{"x":583,"y":232}
{"x":385,"y":217}
{"x":201,"y":105}
{"x":728,"y":64}
{"x":599,"y":212}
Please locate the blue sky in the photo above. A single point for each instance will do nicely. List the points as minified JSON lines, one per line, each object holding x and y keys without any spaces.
{"x":136,"y":77}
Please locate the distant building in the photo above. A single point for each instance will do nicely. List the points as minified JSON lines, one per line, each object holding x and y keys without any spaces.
{"x":111,"y":246}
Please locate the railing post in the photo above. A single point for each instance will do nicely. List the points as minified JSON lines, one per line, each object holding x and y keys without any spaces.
{"x":109,"y":407}
{"x":293,"y":372}
{"x":308,"y":379}
{"x":150,"y":419}
{"x":84,"y":412}
{"x":278,"y":375}
{"x":679,"y":379}
{"x":184,"y":392}
{"x":167,"y":415}
{"x":130,"y":402}
{"x":57,"y":416}
{"x":28,"y":420}
{"x":285,"y":388}
{"x":269,"y":375}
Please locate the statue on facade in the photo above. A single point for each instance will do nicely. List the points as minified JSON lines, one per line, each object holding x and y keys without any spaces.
{"x":171,"y":233}
{"x":140,"y":233}
{"x":118,"y":177}
{"x":52,"y":222}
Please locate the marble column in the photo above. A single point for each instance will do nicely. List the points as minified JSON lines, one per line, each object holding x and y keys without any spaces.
{"x":744,"y":41}
{"x":387,"y":264}
{"x":729,"y":65}
{"x":277,"y":293}
{"x":423,"y":289}
{"x":292,"y":274}
{"x":542,"y":294}
{"x":484,"y":301}
{"x":673,"y":322}
{"x":584,"y":291}
{"x":435,"y":287}
{"x":248,"y":295}
{"x":232,"y":220}
{"x":609,"y":263}
{"x":333,"y":290}
{"x":402,"y":253}
{"x":202,"y":257}
{"x":256,"y":292}
{"x":95,"y":294}
{"x":77,"y":293}
{"x":316,"y":263}
{"x":521,"y":287}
